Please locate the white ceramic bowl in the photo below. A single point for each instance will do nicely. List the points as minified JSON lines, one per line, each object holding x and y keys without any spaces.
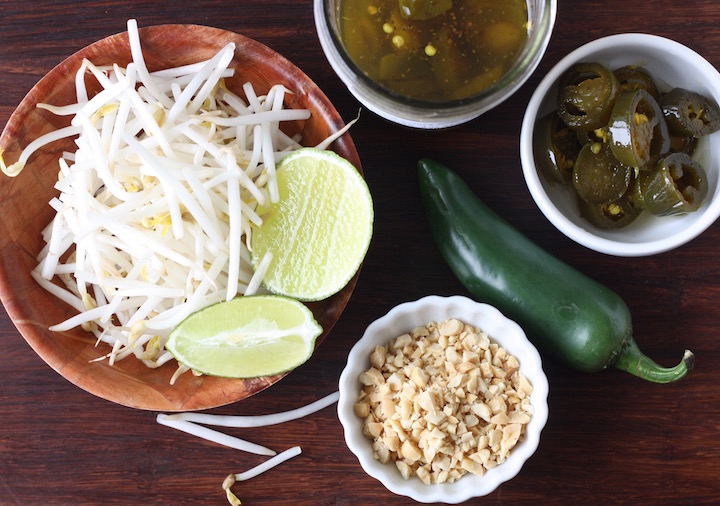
{"x":403,"y":319}
{"x":673,"y":65}
{"x":415,"y":114}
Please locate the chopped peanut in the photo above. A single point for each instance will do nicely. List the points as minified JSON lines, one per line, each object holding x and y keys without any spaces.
{"x":443,"y":401}
{"x":362,"y":409}
{"x":377,"y":358}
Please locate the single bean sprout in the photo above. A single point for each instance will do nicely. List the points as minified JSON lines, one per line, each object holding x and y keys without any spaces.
{"x":255,"y":471}
{"x":156,"y":206}
{"x":239,"y":421}
{"x":214,"y":436}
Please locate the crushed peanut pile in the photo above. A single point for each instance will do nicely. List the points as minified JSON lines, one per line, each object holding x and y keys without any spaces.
{"x":443,"y":401}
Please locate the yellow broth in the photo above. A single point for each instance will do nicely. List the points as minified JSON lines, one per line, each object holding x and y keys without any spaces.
{"x":453,"y":55}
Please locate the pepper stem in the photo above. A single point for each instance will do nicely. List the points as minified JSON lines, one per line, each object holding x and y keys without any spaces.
{"x":632,"y":360}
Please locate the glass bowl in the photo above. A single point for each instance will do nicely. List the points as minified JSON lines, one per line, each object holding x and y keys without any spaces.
{"x":427,"y":115}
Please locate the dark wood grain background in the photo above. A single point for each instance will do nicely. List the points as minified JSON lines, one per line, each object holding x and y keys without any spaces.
{"x":610,"y":438}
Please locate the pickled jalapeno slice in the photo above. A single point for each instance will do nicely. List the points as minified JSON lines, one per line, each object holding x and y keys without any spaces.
{"x":611,"y":216}
{"x":637,"y":130}
{"x":690,"y":114}
{"x":586,"y":96}
{"x":678,"y":185}
{"x":556,"y":148}
{"x":598,"y":177}
{"x":633,"y":77}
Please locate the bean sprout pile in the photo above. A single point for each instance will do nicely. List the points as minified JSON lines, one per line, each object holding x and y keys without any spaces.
{"x":156,"y":206}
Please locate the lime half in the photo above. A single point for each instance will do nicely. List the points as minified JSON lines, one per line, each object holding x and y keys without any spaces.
{"x":247,"y":337}
{"x":320,"y":229}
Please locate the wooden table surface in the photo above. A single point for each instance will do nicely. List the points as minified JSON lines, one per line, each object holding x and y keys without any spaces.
{"x":610,"y":438}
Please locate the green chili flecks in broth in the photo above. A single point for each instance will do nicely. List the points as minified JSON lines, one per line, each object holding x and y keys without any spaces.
{"x":434,"y":50}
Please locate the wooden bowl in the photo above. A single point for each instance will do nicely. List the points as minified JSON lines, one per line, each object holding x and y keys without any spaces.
{"x":24,"y":211}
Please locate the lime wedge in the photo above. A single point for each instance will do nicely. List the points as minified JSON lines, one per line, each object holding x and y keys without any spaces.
{"x":319,"y":231}
{"x":246,"y":337}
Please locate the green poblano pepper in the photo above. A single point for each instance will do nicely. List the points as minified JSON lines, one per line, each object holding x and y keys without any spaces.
{"x":568,"y":315}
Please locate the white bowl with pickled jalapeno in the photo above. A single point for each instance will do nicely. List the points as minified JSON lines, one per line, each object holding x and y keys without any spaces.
{"x":620,"y":145}
{"x":433,"y":64}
